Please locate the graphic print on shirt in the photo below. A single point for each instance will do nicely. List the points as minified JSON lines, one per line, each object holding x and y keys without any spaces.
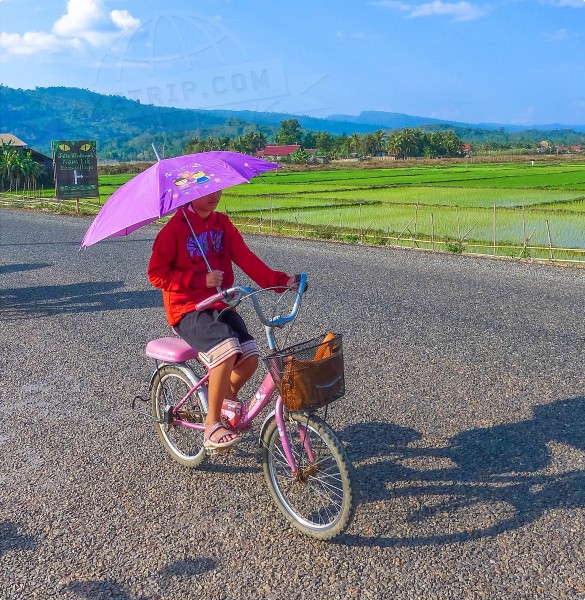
{"x":217,"y":240}
{"x":203,"y":238}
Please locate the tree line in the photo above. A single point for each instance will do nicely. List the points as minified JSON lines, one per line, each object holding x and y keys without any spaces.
{"x":410,"y":142}
{"x":405,"y":143}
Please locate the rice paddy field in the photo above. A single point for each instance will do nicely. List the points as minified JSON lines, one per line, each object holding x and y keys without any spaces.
{"x":522,"y":210}
{"x":527,"y":210}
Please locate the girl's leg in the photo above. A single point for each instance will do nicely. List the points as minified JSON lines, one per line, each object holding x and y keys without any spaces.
{"x":241,"y":374}
{"x":219,"y":385}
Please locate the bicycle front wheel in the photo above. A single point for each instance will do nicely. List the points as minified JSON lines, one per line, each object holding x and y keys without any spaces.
{"x":319,"y":499}
{"x":184,"y":444}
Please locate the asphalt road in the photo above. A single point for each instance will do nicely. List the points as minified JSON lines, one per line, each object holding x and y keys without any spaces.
{"x":464,"y":417}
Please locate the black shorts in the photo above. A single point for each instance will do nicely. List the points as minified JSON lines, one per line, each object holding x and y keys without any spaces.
{"x":217,"y":336}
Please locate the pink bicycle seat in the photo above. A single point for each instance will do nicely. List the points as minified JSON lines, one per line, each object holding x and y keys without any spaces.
{"x":170,"y":349}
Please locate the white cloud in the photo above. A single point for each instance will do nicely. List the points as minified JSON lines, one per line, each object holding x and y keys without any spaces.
{"x":124,"y":20}
{"x":565,"y":3}
{"x":459,"y":11}
{"x":85,"y":20}
{"x":561,"y":35}
{"x":358,"y":35}
{"x":82,"y":17}
{"x":392,"y":4}
{"x":88,"y":20}
{"x":32,"y":42}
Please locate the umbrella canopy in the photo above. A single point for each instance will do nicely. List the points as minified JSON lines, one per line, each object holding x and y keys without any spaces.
{"x":167,"y":185}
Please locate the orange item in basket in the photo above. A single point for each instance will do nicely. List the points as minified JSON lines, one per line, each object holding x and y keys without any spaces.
{"x":324,"y":350}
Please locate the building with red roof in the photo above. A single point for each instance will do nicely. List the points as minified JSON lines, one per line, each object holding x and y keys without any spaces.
{"x":278,"y":152}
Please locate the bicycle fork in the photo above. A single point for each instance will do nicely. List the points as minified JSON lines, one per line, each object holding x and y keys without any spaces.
{"x":286,"y":445}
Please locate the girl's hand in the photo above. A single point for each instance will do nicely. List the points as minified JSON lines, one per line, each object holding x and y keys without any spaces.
{"x":292,"y":282}
{"x":213,"y":279}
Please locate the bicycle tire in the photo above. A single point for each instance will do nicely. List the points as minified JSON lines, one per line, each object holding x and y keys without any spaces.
{"x":185,"y":445}
{"x":321,"y":499}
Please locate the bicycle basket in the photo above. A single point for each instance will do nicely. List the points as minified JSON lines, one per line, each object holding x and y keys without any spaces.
{"x":309,"y":375}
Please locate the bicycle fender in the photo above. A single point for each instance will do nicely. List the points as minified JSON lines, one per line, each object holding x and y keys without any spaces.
{"x":182,"y":366}
{"x":270,"y":416}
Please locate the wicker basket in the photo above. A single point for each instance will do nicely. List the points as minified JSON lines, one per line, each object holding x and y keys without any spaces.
{"x":309,"y":375}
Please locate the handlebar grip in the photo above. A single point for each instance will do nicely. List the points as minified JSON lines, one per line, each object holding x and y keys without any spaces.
{"x":209,"y":301}
{"x":298,"y":278}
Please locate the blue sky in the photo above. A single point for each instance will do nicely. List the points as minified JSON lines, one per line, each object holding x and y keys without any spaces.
{"x":498,"y":61}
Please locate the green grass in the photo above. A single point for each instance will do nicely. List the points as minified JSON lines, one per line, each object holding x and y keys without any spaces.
{"x":436,"y":196}
{"x":440,"y":223}
{"x":507,"y":175}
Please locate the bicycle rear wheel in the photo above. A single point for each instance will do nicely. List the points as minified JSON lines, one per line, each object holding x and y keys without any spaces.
{"x":319,"y":499}
{"x":185,"y":445}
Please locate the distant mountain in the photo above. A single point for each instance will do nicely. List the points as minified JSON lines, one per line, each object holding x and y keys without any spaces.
{"x":125,"y":129}
{"x":545,"y":127}
{"x":394,"y":120}
{"x":391,"y":120}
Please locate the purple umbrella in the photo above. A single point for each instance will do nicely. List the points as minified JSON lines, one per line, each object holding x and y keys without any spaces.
{"x":168,"y":185}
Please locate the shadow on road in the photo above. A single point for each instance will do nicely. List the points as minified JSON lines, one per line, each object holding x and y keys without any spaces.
{"x":483,"y":482}
{"x":43,"y":301}
{"x":17,"y":268}
{"x":10,"y":539}
{"x":107,"y":588}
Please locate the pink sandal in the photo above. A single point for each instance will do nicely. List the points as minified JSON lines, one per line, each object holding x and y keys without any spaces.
{"x":218,"y":444}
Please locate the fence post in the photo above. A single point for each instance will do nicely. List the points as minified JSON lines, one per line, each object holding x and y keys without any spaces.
{"x":549,"y":240}
{"x":415,"y":220}
{"x":523,"y":226}
{"x":432,"y":231}
{"x":495,"y":239}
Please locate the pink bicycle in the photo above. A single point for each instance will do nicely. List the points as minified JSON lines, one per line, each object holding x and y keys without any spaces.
{"x":305,"y":465}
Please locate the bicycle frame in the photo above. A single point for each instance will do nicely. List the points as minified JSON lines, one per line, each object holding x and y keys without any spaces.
{"x":266,"y":389}
{"x":262,"y":397}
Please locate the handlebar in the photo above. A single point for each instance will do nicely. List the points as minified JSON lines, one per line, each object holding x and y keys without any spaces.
{"x":234,"y":295}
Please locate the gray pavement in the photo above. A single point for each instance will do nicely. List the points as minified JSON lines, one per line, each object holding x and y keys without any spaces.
{"x":464,"y":417}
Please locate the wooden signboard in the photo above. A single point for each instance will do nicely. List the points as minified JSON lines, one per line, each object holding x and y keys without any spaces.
{"x":75,"y":167}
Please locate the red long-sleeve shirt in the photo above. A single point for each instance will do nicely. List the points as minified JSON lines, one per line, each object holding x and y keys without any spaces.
{"x":178,"y":269}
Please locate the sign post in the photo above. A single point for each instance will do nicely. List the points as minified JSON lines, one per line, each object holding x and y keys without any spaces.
{"x":75,"y":170}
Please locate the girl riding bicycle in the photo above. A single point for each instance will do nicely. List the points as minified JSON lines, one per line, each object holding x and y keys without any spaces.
{"x":191,"y":256}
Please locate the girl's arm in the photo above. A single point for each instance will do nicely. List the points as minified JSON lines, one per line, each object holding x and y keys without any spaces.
{"x":253,"y":266}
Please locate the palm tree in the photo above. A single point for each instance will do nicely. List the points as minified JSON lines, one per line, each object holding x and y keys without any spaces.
{"x":31,"y":171}
{"x":355,"y":142}
{"x":369,"y":143}
{"x":240,"y":144}
{"x":380,"y":137}
{"x":9,"y":166}
{"x":256,"y":141}
{"x":411,"y":142}
{"x":394,"y":144}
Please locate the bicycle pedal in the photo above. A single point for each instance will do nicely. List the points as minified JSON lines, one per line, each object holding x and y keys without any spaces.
{"x":218,"y":451}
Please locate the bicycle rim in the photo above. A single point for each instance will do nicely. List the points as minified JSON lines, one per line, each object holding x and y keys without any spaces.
{"x":185,"y":445}
{"x":319,"y":499}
